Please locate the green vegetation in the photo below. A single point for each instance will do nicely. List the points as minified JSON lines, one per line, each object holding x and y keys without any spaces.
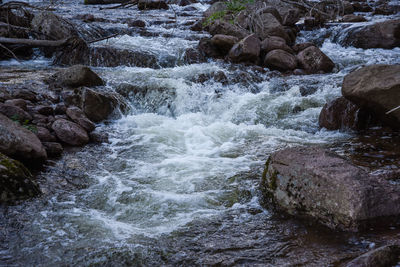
{"x":233,"y":7}
{"x":26,"y":124}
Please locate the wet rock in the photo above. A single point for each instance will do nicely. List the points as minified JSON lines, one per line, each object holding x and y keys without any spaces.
{"x":247,"y":50}
{"x":53,"y":149}
{"x":20,"y":143}
{"x":187,"y":2}
{"x":300,"y":47}
{"x":224,"y":42}
{"x":21,"y":103}
{"x":275,"y":42}
{"x":103,"y":2}
{"x":86,"y":17}
{"x":15,"y":113}
{"x":44,"y":110}
{"x":361,"y":7}
{"x":98,"y":137}
{"x":379,"y":35}
{"x":313,"y":60}
{"x":97,"y":106}
{"x":376,"y":87}
{"x":316,"y":183}
{"x":313,"y":22}
{"x":353,"y":18}
{"x":44,"y":134}
{"x":208,"y":49}
{"x":152,"y":4}
{"x":307,"y":90}
{"x":70,"y":132}
{"x":71,"y":98}
{"x":24,"y":94}
{"x":266,"y":24}
{"x":76,"y":76}
{"x":193,"y":56}
{"x":381,"y":257}
{"x":16,"y":182}
{"x":280,"y":60}
{"x":77,"y":115}
{"x":137,"y":23}
{"x":341,"y":114}
{"x":53,"y":26}
{"x":112,"y":57}
{"x":60,"y":109}
{"x":226,"y":28}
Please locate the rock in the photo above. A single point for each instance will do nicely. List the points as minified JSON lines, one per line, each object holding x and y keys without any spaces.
{"x":300,"y":47}
{"x":20,"y":143}
{"x":60,"y":109}
{"x":313,"y":22}
{"x":98,"y":137}
{"x":247,"y":50}
{"x":53,"y":26}
{"x":384,"y":34}
{"x":25,"y":94}
{"x":192,"y":56}
{"x":291,"y":17}
{"x":97,"y":106}
{"x":214,"y":8}
{"x":137,"y":23}
{"x":53,"y":149}
{"x":103,"y":2}
{"x":86,"y":17}
{"x":16,"y":182}
{"x":15,"y":113}
{"x":224,"y":43}
{"x":381,"y":257}
{"x":268,"y":25}
{"x":187,"y":2}
{"x":77,"y":76}
{"x":226,"y":28}
{"x":280,"y":60}
{"x":361,"y":7}
{"x":44,"y":135}
{"x":21,"y":103}
{"x":77,"y":115}
{"x":376,"y":87}
{"x":315,"y":183}
{"x":341,"y":114}
{"x":70,"y":132}
{"x":152,"y":4}
{"x":275,"y":42}
{"x":353,"y":18}
{"x":208,"y":49}
{"x":313,"y":60}
{"x":44,"y":110}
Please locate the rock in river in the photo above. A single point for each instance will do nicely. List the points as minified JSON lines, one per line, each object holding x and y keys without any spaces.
{"x":376,"y":87}
{"x":15,"y":180}
{"x":70,"y":132}
{"x":316,"y":183}
{"x":76,"y":76}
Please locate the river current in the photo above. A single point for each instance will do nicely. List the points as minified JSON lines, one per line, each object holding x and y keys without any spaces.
{"x":178,"y":182}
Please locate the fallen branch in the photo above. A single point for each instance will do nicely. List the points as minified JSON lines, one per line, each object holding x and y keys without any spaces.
{"x":11,"y":52}
{"x":104,"y":38}
{"x":392,"y":110}
{"x":35,"y":43}
{"x":127,"y":4}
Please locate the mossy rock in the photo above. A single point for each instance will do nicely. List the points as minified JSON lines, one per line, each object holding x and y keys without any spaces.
{"x":15,"y":181}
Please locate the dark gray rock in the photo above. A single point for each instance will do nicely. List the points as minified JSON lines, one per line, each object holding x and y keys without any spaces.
{"x":16,"y":182}
{"x":53,"y":149}
{"x":53,"y":26}
{"x":70,"y":132}
{"x":280,"y":60}
{"x":21,"y":103}
{"x":313,"y":60}
{"x":152,"y":4}
{"x":77,"y":115}
{"x":224,"y":43}
{"x":20,"y":143}
{"x":247,"y":50}
{"x":44,"y":134}
{"x":15,"y":113}
{"x":76,"y":76}
{"x":376,"y":87}
{"x":97,"y":106}
{"x":380,"y":257}
{"x":315,"y":183}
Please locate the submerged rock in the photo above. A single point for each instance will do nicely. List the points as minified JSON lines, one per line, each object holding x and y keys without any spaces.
{"x":316,"y":183}
{"x":384,"y":34}
{"x":16,"y":182}
{"x":376,"y":87}
{"x":380,"y":257}
{"x":20,"y":143}
{"x":77,"y":76}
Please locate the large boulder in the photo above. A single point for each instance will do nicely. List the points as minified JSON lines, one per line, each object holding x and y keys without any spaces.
{"x":315,"y":183}
{"x":97,"y":106}
{"x":247,"y":50}
{"x":226,"y":28}
{"x":77,"y":76}
{"x":376,"y":87}
{"x":70,"y":132}
{"x":266,"y":25}
{"x":342,"y":114}
{"x":280,"y":60}
{"x":275,"y":42}
{"x":15,"y":113}
{"x":313,"y":60}
{"x":224,"y":43}
{"x":77,"y":115}
{"x":152,"y":4}
{"x":20,"y":143}
{"x":384,"y":34}
{"x":16,"y":182}
{"x":53,"y":26}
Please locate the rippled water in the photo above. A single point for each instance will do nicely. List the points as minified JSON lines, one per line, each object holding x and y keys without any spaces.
{"x":178,"y":182}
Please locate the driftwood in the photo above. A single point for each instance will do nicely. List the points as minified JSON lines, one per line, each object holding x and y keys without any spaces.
{"x":35,"y":43}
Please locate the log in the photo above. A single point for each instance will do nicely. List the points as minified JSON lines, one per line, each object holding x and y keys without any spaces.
{"x":34,"y":43}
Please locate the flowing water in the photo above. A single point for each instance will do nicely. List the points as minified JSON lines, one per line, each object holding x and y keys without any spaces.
{"x":178,"y":182}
